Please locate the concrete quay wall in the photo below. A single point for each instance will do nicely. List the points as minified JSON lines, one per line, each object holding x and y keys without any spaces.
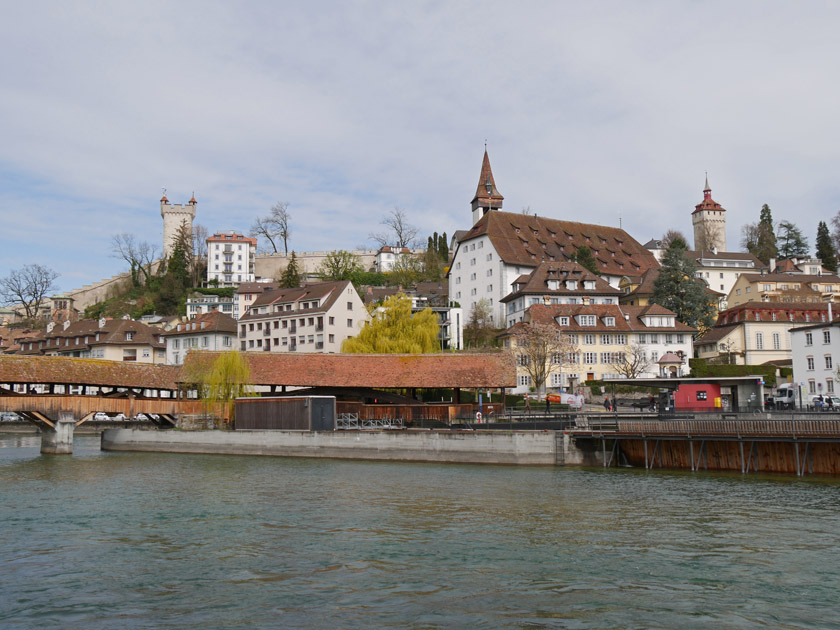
{"x":473,"y":447}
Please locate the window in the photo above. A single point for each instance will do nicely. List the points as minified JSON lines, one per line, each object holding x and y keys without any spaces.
{"x":606,"y":340}
{"x":147,"y":353}
{"x":826,"y":336}
{"x":588,"y":320}
{"x":349,"y":323}
{"x":809,"y":339}
{"x":332,"y":338}
{"x":810,"y":362}
{"x":489,"y":288}
{"x":759,"y":341}
{"x":349,"y":306}
{"x":829,"y":386}
{"x":828,"y":363}
{"x":524,"y":380}
{"x":701,"y":395}
{"x":472,"y":276}
{"x":489,"y":273}
{"x":523,"y":360}
{"x":563,"y":321}
{"x":609,"y":321}
{"x":812,"y":387}
{"x":590,"y":357}
{"x":128,"y":337}
{"x":589,"y":340}
{"x":777,"y":341}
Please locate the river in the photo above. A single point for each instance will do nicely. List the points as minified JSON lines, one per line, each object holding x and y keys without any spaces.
{"x":124,"y":540}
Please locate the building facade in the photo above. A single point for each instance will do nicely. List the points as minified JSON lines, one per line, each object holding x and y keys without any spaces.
{"x":231,"y":259}
{"x":709,"y":221}
{"x":312,"y":318}
{"x":816,"y":353}
{"x":600,"y":339}
{"x":212,"y":331}
{"x":784,"y":287}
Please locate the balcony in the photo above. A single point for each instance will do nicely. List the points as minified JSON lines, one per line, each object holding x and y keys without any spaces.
{"x":292,"y":329}
{"x":292,"y":347}
{"x":319,"y":345}
{"x":266,"y":332}
{"x":319,"y":328}
{"x":267,"y":347}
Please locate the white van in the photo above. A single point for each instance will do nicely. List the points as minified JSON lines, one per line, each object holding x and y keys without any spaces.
{"x":785,"y":396}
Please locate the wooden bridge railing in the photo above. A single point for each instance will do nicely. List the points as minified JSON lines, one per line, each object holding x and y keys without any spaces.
{"x":80,"y":406}
{"x":738,"y":428}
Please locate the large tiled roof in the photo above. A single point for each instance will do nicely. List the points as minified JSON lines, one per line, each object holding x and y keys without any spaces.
{"x":536,"y":283}
{"x":800,"y":278}
{"x":627,"y":318}
{"x":213,"y":321}
{"x":370,"y":370}
{"x":318,"y":290}
{"x":528,"y":240}
{"x":257,"y":287}
{"x":74,"y":371}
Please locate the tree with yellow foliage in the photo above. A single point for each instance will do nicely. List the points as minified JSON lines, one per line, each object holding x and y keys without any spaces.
{"x":394,"y":329}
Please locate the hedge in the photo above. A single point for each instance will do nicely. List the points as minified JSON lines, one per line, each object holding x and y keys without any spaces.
{"x":701,"y":368}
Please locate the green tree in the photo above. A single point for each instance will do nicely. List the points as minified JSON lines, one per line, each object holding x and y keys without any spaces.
{"x":340,"y":265}
{"x":290,"y":277}
{"x":172,"y":289}
{"x":407,"y":270}
{"x":394,"y":329}
{"x":825,"y":248}
{"x":759,"y":239}
{"x":677,"y":289}
{"x":584,"y":257}
{"x":791,"y":241}
{"x":479,"y":331}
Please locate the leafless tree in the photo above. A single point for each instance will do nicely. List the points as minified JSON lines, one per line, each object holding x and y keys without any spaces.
{"x":670,"y":236}
{"x":28,"y":286}
{"x":706,"y":238}
{"x":835,"y":234}
{"x":275,"y":226}
{"x":542,"y":350}
{"x":139,"y":255}
{"x":479,"y":331}
{"x":400,"y":232}
{"x":199,"y":266}
{"x":635,"y":362}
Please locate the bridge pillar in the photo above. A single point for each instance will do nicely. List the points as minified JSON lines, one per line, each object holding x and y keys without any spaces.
{"x":59,"y":441}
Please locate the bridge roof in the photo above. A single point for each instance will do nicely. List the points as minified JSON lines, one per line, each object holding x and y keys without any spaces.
{"x":370,"y":370}
{"x":75,"y":371}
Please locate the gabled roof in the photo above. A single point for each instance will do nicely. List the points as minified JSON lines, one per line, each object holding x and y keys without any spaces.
{"x":529,"y":240}
{"x":318,"y":290}
{"x":706,"y":254}
{"x":213,"y":321}
{"x":257,"y":287}
{"x":370,"y":370}
{"x":111,"y":332}
{"x":627,"y":318}
{"x":536,"y":283}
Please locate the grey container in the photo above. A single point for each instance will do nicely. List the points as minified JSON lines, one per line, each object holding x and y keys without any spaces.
{"x":286,"y":413}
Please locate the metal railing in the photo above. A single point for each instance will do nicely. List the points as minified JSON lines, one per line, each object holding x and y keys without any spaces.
{"x":351,"y":421}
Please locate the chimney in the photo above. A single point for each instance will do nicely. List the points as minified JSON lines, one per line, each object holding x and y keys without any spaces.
{"x":66,"y":325}
{"x":102,"y":321}
{"x":772,"y":265}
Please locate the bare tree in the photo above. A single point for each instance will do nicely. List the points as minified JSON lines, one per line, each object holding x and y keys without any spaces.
{"x":542,"y":350}
{"x":400,"y":232}
{"x":139,"y":255}
{"x":479,"y":331}
{"x":28,"y":287}
{"x":669,"y":237}
{"x":199,"y":257}
{"x":635,"y":362}
{"x":706,"y":238}
{"x":275,"y":226}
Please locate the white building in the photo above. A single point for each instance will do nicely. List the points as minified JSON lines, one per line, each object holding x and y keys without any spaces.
{"x":230,"y":259}
{"x":212,"y":331}
{"x":199,"y":305}
{"x":247,"y":292}
{"x":502,"y":246}
{"x":388,"y":257}
{"x":816,"y":358}
{"x":312,"y":318}
{"x":603,"y":337}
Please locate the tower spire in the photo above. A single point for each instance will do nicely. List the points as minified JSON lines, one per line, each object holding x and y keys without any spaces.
{"x":707,"y":191}
{"x":487,"y":196}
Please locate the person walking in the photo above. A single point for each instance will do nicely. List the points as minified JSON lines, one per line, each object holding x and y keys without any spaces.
{"x":652,"y":403}
{"x":607,"y":403}
{"x":527,"y":403}
{"x":547,"y":404}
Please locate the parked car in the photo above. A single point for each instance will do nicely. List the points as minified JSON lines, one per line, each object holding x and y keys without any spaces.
{"x":815,"y":403}
{"x":10,"y":416}
{"x":101,"y":417}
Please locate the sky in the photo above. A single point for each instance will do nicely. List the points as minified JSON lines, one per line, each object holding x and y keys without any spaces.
{"x":603,"y":112}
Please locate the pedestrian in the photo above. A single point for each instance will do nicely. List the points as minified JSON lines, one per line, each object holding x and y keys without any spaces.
{"x":652,"y":403}
{"x":830,"y":403}
{"x":547,"y":404}
{"x":527,"y":403}
{"x":614,"y":404}
{"x":607,"y":403}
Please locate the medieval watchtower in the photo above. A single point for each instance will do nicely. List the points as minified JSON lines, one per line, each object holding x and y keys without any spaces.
{"x":173,"y":216}
{"x":709,"y":221}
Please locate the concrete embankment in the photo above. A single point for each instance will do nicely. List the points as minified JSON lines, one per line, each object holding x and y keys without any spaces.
{"x":475,"y":447}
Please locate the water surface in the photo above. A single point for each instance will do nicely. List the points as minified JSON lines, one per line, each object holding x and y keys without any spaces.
{"x":105,"y":540}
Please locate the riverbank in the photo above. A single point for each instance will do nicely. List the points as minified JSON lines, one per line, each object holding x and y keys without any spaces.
{"x":530,"y":448}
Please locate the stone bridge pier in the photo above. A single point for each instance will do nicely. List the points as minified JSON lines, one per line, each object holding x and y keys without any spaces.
{"x":58,"y":440}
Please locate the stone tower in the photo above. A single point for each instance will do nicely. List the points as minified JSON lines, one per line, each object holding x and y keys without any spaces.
{"x":173,"y":216}
{"x":709,"y":220}
{"x":487,"y":197}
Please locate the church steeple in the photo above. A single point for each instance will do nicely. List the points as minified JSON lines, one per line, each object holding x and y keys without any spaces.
{"x":709,"y":221}
{"x":487,"y":196}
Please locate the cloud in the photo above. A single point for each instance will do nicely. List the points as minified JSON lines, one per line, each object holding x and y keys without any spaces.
{"x":604,"y":111}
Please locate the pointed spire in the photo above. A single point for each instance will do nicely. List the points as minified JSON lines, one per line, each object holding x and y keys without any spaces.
{"x":192,"y":200}
{"x":486,"y":193}
{"x":707,"y":191}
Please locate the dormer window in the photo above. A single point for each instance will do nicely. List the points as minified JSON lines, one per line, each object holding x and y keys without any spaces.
{"x":553,"y":285}
{"x":587,"y":320}
{"x":589,"y":285}
{"x":571,"y":285}
{"x":129,"y":336}
{"x":609,"y":321}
